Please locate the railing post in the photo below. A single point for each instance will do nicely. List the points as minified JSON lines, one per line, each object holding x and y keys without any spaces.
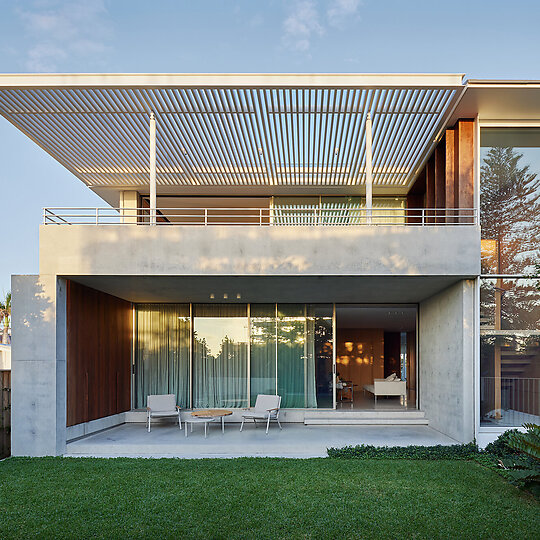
{"x":260,"y":217}
{"x":423,"y":216}
{"x":206,"y":216}
{"x":97,"y":216}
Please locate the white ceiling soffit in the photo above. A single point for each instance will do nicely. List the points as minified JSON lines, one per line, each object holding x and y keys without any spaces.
{"x":232,"y":130}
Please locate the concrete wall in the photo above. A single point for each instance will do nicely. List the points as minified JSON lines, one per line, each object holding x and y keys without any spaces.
{"x":252,"y":250}
{"x":5,"y":356}
{"x":38,"y":368}
{"x":446,"y":360}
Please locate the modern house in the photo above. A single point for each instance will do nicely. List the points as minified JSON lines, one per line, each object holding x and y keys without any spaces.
{"x":305,"y":235}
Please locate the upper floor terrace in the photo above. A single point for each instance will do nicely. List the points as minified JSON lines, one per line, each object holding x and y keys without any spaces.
{"x":344,"y":168}
{"x":330,"y":238}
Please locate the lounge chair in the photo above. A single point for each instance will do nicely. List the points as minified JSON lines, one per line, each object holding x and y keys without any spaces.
{"x":161,"y":406}
{"x":266,"y":408}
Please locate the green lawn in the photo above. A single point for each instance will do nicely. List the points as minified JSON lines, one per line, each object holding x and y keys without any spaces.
{"x":260,"y":498}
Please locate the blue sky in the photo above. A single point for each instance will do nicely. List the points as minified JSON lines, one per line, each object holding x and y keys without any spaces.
{"x":483,"y":39}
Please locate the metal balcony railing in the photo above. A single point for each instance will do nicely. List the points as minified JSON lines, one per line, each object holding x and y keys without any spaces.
{"x":515,"y":398}
{"x":307,"y":216}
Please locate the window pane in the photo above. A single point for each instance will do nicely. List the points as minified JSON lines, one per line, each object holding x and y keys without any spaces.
{"x":320,"y":344}
{"x":220,"y":352}
{"x":510,"y":200}
{"x":263,"y":350}
{"x":509,"y":352}
{"x":292,"y":359}
{"x":162,"y":352}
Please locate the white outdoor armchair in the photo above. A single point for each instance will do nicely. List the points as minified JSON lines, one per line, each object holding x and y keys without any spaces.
{"x":266,"y":408}
{"x":160,"y":406}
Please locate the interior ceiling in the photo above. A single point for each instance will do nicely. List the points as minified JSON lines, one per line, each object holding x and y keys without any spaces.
{"x":269,"y":289}
{"x":390,"y":318}
{"x":286,"y":131}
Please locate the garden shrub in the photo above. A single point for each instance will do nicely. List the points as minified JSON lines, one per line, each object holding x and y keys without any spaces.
{"x":364,"y":451}
{"x":499,"y":447}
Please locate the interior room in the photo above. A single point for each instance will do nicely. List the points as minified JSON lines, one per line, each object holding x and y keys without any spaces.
{"x":376,"y":356}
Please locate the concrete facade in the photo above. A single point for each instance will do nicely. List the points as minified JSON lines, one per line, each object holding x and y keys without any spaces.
{"x":446,"y":337}
{"x":38,"y":406}
{"x":250,"y":250}
{"x":39,"y":369}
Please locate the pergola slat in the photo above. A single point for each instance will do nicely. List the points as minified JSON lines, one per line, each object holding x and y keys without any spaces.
{"x":306,"y":134}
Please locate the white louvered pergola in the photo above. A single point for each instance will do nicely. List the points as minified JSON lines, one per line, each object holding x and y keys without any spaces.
{"x":233,"y":131}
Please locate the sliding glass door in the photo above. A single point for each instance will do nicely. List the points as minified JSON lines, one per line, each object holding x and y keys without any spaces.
{"x":220,"y":355}
{"x":224,"y":355}
{"x":263,"y":365}
{"x":162,"y":352}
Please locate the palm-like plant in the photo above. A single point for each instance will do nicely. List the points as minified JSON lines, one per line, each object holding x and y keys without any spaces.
{"x":5,"y":315}
{"x":524,"y":468}
{"x":528,"y":443}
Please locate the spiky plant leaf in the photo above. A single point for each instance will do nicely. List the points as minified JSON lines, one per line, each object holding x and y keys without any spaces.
{"x":528,"y":443}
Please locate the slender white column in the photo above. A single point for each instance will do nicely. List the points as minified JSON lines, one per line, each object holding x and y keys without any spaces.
{"x":152,"y":169}
{"x":369,"y":171}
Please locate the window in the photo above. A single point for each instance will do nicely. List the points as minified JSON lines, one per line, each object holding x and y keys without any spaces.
{"x":510,"y":200}
{"x":510,"y":302}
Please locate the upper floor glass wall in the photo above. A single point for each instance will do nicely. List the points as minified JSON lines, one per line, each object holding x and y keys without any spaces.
{"x":510,"y":200}
{"x":336,"y":210}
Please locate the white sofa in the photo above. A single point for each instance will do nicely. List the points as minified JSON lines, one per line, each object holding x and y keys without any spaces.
{"x":384,"y":387}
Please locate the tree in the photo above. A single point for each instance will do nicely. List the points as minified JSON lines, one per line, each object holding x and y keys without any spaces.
{"x":5,"y":315}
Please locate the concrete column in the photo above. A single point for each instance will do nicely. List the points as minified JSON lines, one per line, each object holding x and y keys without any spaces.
{"x":446,"y":360}
{"x":38,"y":366}
{"x":129,"y":204}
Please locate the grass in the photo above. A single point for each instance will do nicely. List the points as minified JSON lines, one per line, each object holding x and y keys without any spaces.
{"x":260,"y":498}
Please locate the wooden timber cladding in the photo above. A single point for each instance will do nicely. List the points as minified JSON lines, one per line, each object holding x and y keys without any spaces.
{"x":99,"y":343}
{"x":447,"y":179}
{"x":5,"y":413}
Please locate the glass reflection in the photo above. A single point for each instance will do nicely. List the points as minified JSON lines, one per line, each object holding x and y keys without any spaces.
{"x":509,"y":352}
{"x":162,"y":352}
{"x":263,"y":350}
{"x":220,"y":352}
{"x":510,"y":200}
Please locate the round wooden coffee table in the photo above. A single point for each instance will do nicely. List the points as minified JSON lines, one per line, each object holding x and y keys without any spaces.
{"x":212,"y":414}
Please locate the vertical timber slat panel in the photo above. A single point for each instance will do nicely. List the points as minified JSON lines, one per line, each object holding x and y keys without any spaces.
{"x":450,"y":172}
{"x":99,"y":334}
{"x":430,"y":186}
{"x":465,"y":172}
{"x":440,"y":173}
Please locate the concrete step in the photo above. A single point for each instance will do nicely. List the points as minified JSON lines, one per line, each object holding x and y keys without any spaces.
{"x":325,"y":418}
{"x":366,"y":422}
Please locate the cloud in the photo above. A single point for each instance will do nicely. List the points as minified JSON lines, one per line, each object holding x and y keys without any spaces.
{"x":62,"y":31}
{"x":306,"y":21}
{"x":341,"y":11}
{"x":301,"y":25}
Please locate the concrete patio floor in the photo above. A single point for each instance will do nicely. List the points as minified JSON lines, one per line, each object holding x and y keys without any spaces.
{"x":295,"y":440}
